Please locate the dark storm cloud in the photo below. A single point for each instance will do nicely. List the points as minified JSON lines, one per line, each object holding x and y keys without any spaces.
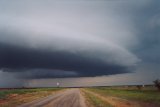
{"x":59,"y":39}
{"x":48,"y":64}
{"x":77,"y":39}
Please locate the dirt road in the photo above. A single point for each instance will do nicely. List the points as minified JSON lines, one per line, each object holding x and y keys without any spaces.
{"x":68,"y":98}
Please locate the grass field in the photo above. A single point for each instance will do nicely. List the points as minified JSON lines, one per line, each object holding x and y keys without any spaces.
{"x":95,"y":97}
{"x":148,"y":95}
{"x":94,"y":101}
{"x":5,"y":93}
{"x":14,"y":97}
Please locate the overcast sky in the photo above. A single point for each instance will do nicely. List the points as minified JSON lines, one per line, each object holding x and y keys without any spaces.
{"x":79,"y":42}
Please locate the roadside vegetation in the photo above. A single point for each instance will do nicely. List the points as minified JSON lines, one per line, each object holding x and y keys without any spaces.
{"x":14,"y":97}
{"x":5,"y":93}
{"x":94,"y":101}
{"x":144,"y":94}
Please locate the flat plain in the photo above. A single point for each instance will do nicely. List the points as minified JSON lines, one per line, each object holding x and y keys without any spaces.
{"x":123,"y":96}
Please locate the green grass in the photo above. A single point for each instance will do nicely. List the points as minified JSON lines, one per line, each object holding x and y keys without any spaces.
{"x":4,"y":93}
{"x":96,"y":101}
{"x":132,"y":94}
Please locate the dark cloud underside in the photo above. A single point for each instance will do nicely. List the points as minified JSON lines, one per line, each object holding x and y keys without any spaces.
{"x":15,"y":58}
{"x":51,"y":39}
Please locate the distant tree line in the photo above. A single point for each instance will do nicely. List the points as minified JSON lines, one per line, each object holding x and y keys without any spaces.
{"x":157,"y":84}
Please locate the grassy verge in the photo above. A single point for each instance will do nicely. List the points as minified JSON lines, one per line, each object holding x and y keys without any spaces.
{"x":95,"y":101}
{"x":5,"y":93}
{"x":139,"y":95}
{"x":13,"y":98}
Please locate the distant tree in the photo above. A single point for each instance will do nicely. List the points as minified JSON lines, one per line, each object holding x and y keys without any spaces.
{"x":139,"y":87}
{"x":157,"y":84}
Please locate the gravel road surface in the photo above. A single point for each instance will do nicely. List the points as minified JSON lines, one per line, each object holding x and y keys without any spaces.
{"x":68,"y":98}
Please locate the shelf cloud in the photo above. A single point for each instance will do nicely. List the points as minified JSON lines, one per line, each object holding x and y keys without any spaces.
{"x":62,"y":39}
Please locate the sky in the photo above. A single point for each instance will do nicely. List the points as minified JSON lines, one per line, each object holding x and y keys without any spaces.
{"x":79,"y":42}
